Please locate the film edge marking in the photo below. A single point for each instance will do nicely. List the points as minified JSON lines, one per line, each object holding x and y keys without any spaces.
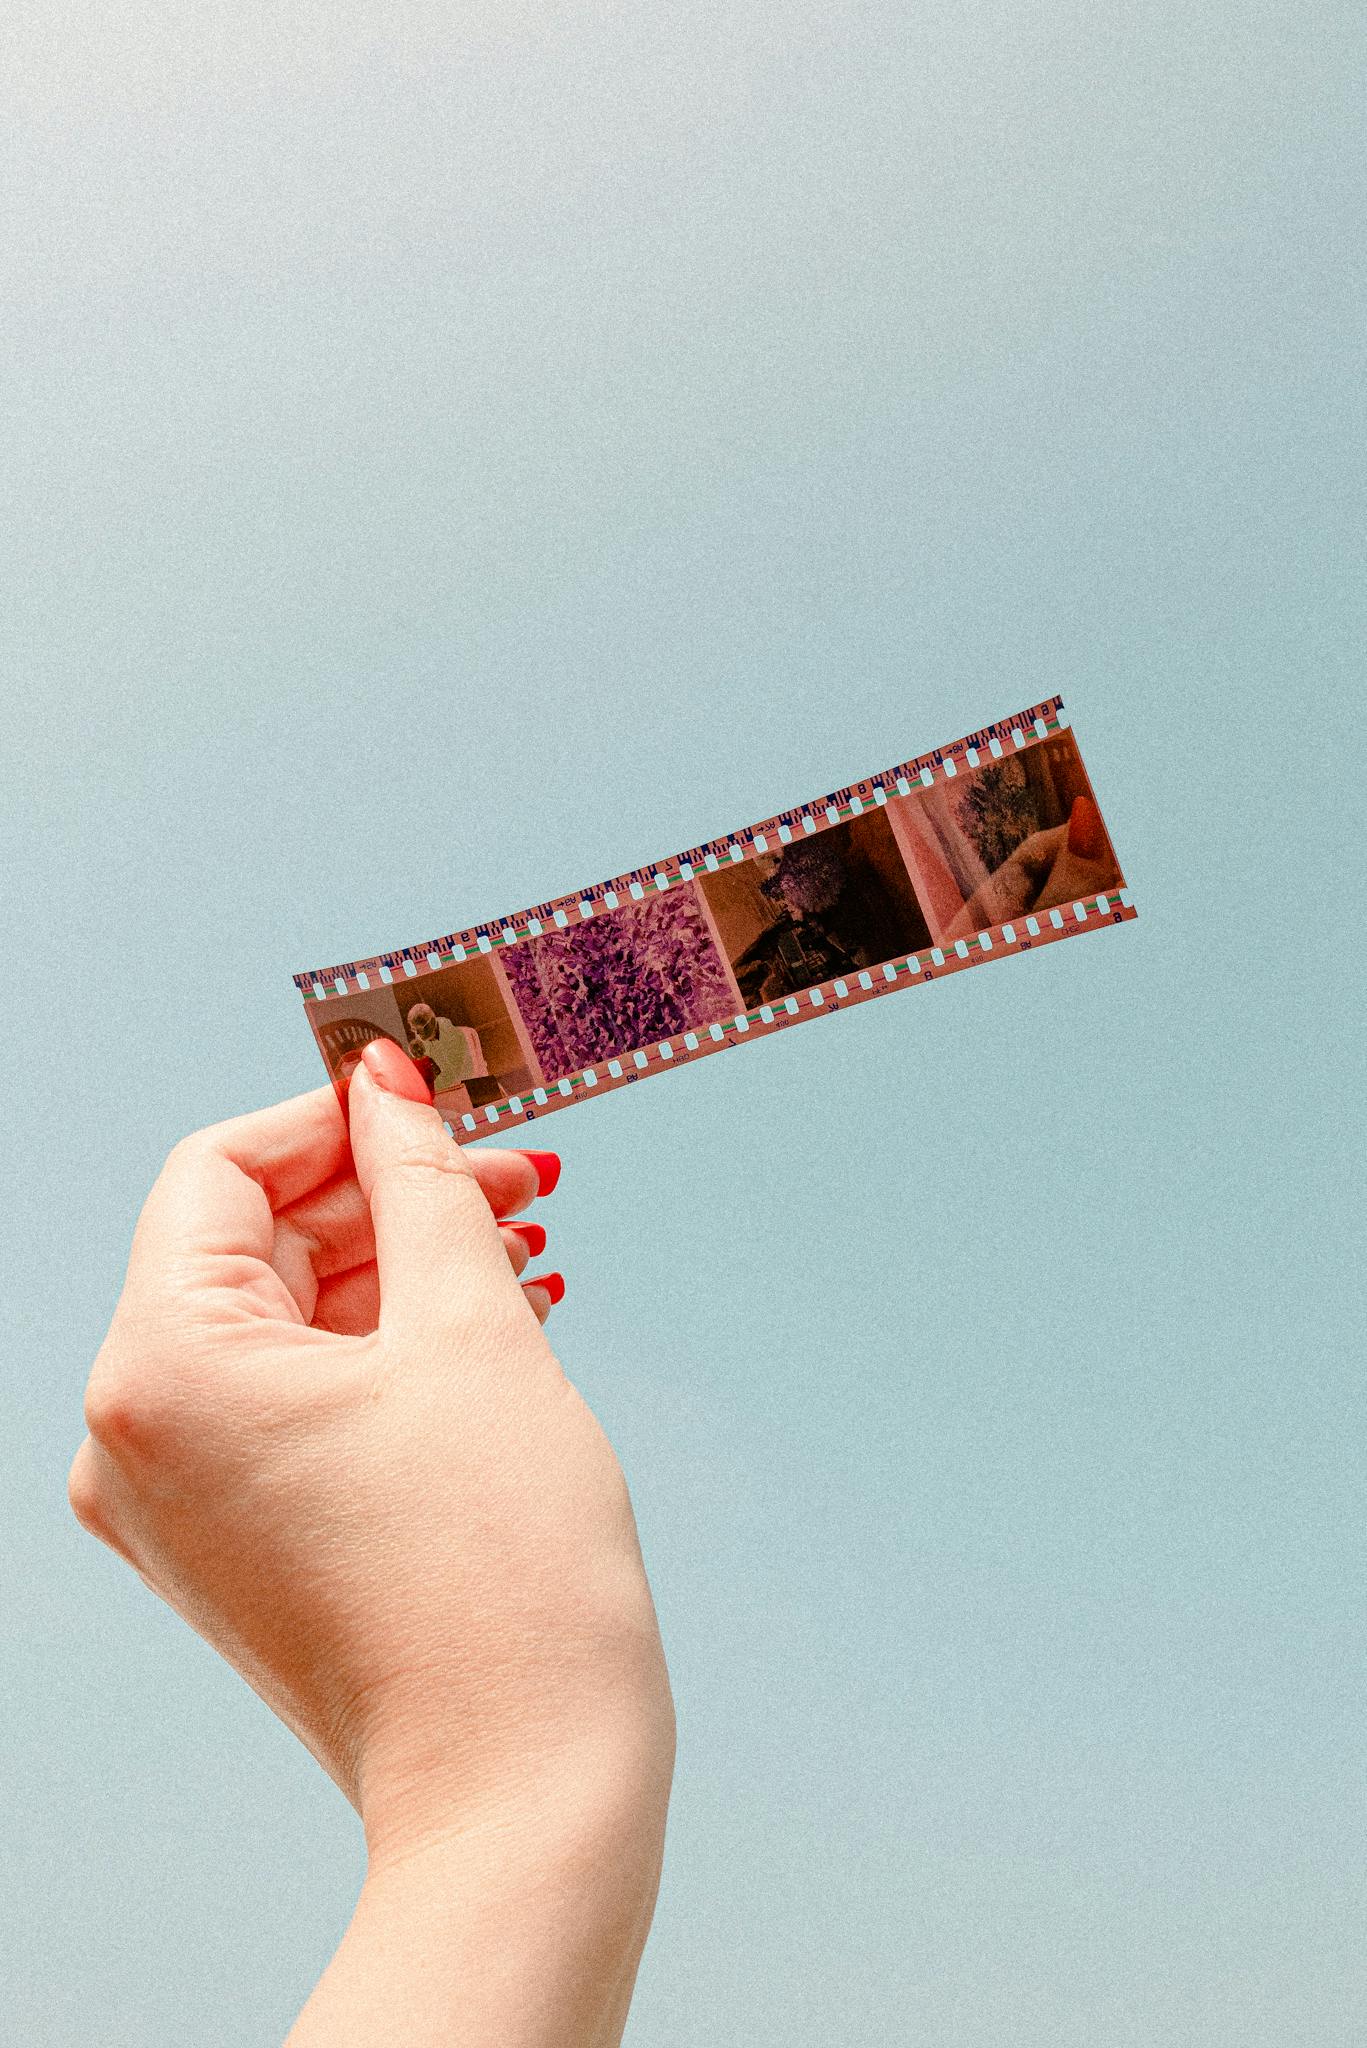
{"x":640,"y":1063}
{"x":1025,"y":728}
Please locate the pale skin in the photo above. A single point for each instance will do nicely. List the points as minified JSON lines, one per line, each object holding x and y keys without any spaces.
{"x":327,"y":1428}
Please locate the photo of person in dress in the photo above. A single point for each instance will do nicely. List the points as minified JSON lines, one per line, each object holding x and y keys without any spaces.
{"x":827,"y":904}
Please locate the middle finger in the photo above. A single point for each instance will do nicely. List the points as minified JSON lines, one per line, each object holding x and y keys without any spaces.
{"x":348,"y":1303}
{"x":331,"y":1226}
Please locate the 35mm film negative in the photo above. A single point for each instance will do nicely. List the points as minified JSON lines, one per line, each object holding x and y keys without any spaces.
{"x":978,"y":851}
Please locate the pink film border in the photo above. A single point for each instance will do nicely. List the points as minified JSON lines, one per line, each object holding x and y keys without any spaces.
{"x":932,"y":963}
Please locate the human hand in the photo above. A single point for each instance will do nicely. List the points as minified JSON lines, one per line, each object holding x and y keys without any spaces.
{"x":327,"y":1428}
{"x":1059,"y":865}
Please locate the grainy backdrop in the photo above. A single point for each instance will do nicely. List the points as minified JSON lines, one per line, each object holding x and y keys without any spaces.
{"x":452,"y":454}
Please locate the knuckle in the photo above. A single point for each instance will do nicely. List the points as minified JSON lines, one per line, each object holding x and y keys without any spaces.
{"x":428,"y":1176}
{"x":442,"y":1157}
{"x":121,"y":1408}
{"x":84,"y":1494}
{"x":192,"y":1146}
{"x":110,"y":1411}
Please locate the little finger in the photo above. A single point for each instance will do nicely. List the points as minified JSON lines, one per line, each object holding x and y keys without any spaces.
{"x":543,"y":1293}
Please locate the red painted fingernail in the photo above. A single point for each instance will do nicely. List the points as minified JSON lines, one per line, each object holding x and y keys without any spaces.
{"x":533,"y":1233}
{"x":1086,"y":833}
{"x":390,"y":1067}
{"x":547,"y":1166}
{"x":554,"y":1284}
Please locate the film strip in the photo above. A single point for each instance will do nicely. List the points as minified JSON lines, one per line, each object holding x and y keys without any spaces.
{"x":981,"y":850}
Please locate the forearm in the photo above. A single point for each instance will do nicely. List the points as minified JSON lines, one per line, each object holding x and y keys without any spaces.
{"x":510,"y":1937}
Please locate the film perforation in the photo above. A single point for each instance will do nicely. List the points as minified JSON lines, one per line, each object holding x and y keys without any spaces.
{"x":975,"y":851}
{"x":1039,"y":721}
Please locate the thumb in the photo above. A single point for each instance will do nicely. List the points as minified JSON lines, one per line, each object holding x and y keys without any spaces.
{"x":435,"y":1233}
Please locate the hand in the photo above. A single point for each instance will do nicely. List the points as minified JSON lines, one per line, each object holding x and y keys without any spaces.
{"x":327,"y":1428}
{"x":1060,"y":865}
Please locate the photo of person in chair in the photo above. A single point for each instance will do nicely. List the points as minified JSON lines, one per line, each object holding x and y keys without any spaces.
{"x":452,"y":1060}
{"x":453,"y":1049}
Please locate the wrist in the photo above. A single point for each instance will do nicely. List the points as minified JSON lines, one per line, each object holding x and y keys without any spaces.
{"x":544,"y":1760}
{"x":517,"y":1923}
{"x":539,"y":1905}
{"x":597,"y":1799}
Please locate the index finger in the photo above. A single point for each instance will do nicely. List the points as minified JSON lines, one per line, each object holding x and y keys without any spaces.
{"x":220,"y":1188}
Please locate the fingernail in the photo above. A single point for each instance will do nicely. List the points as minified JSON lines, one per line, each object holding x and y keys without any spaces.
{"x":390,"y":1067}
{"x":547,"y":1166}
{"x":554,"y":1284}
{"x":1086,"y":833}
{"x":533,"y":1234}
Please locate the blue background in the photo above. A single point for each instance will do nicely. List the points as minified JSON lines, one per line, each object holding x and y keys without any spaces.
{"x":453,"y":455}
